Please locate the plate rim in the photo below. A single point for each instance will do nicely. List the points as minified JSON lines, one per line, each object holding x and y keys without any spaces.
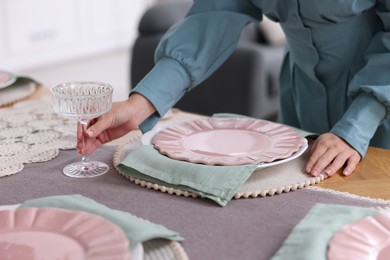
{"x":337,"y":242}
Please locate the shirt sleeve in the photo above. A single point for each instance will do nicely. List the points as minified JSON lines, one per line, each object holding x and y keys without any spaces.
{"x":192,"y":50}
{"x":369,"y":89}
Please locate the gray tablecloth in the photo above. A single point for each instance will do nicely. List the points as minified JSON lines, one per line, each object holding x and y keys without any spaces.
{"x":244,"y":229}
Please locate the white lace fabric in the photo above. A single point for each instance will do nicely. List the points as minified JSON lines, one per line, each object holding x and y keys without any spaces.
{"x":31,"y":132}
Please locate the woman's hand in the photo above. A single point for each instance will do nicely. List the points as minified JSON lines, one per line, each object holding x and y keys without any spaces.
{"x":124,"y":117}
{"x":329,"y":153}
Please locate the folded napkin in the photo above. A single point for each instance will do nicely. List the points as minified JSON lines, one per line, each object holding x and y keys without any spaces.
{"x":136,"y":229}
{"x":27,"y":78}
{"x":218,"y":183}
{"x":22,"y":79}
{"x":22,"y":88}
{"x":310,"y":237}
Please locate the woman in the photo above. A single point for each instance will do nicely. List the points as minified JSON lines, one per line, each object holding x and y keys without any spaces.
{"x":334,"y":81}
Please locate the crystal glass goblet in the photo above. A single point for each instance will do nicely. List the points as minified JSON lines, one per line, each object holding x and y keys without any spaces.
{"x":82,"y":101}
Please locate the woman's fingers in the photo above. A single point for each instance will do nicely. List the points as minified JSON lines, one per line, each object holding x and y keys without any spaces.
{"x":330,"y":153}
{"x":336,"y":164}
{"x":319,"y":160}
{"x":315,"y":154}
{"x":123,"y":117}
{"x":351,"y":164}
{"x":106,"y":121}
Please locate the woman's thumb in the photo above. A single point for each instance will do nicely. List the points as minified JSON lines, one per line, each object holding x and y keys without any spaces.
{"x":98,"y":127}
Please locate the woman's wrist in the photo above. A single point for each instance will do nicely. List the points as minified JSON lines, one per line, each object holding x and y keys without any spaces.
{"x":139,"y":107}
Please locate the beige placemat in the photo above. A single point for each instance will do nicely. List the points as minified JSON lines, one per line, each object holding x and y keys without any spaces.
{"x":276,"y":179}
{"x":161,"y":249}
{"x":280,"y":178}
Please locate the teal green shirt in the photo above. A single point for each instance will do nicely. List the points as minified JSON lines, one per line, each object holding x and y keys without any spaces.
{"x":335,"y":76}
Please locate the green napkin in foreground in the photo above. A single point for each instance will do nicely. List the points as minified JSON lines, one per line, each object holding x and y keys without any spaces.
{"x":310,"y":237}
{"x":136,"y":229}
{"x":218,"y":183}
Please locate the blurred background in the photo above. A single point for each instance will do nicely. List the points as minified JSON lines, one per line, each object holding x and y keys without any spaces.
{"x":113,"y":41}
{"x":56,"y":41}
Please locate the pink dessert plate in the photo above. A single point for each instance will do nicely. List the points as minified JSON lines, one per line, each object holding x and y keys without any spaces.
{"x":368,"y":238}
{"x":228,"y":141}
{"x":52,"y":233}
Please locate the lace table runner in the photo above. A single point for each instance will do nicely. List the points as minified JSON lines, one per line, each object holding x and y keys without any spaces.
{"x":30,"y":132}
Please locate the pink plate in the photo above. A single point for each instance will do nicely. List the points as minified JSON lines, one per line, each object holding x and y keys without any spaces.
{"x":51,"y":233}
{"x":228,"y":141}
{"x":368,"y":238}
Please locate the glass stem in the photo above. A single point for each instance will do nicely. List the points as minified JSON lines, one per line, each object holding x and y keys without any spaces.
{"x":84,"y":125}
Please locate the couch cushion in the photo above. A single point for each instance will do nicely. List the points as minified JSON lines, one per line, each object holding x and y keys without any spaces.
{"x":160,"y":17}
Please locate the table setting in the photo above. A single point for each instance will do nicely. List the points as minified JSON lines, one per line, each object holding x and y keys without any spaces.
{"x":339,"y":232}
{"x":221,"y":177}
{"x":102,"y":232}
{"x":194,"y":187}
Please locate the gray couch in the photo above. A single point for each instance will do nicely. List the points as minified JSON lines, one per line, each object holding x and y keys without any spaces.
{"x":247,"y":83}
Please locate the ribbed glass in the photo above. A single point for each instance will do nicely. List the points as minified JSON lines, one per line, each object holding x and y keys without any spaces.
{"x":82,"y":100}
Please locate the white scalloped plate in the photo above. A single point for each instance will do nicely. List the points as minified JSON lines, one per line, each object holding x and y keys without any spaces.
{"x":52,"y":233}
{"x":368,"y":238}
{"x":228,"y":141}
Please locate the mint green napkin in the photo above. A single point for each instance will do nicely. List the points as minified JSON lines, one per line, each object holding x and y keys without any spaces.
{"x":23,"y":78}
{"x":136,"y":229}
{"x":310,"y":237}
{"x":218,"y":183}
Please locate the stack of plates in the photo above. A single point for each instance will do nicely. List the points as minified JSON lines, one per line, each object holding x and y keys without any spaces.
{"x":13,"y":89}
{"x":228,"y":141}
{"x":53,"y":233}
{"x":277,"y":150}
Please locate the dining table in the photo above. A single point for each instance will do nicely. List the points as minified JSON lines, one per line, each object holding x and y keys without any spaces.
{"x":252,"y":227}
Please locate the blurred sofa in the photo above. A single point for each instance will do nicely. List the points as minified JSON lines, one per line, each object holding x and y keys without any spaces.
{"x":247,"y":83}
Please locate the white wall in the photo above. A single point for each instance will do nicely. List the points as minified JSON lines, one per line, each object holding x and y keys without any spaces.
{"x":56,"y":41}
